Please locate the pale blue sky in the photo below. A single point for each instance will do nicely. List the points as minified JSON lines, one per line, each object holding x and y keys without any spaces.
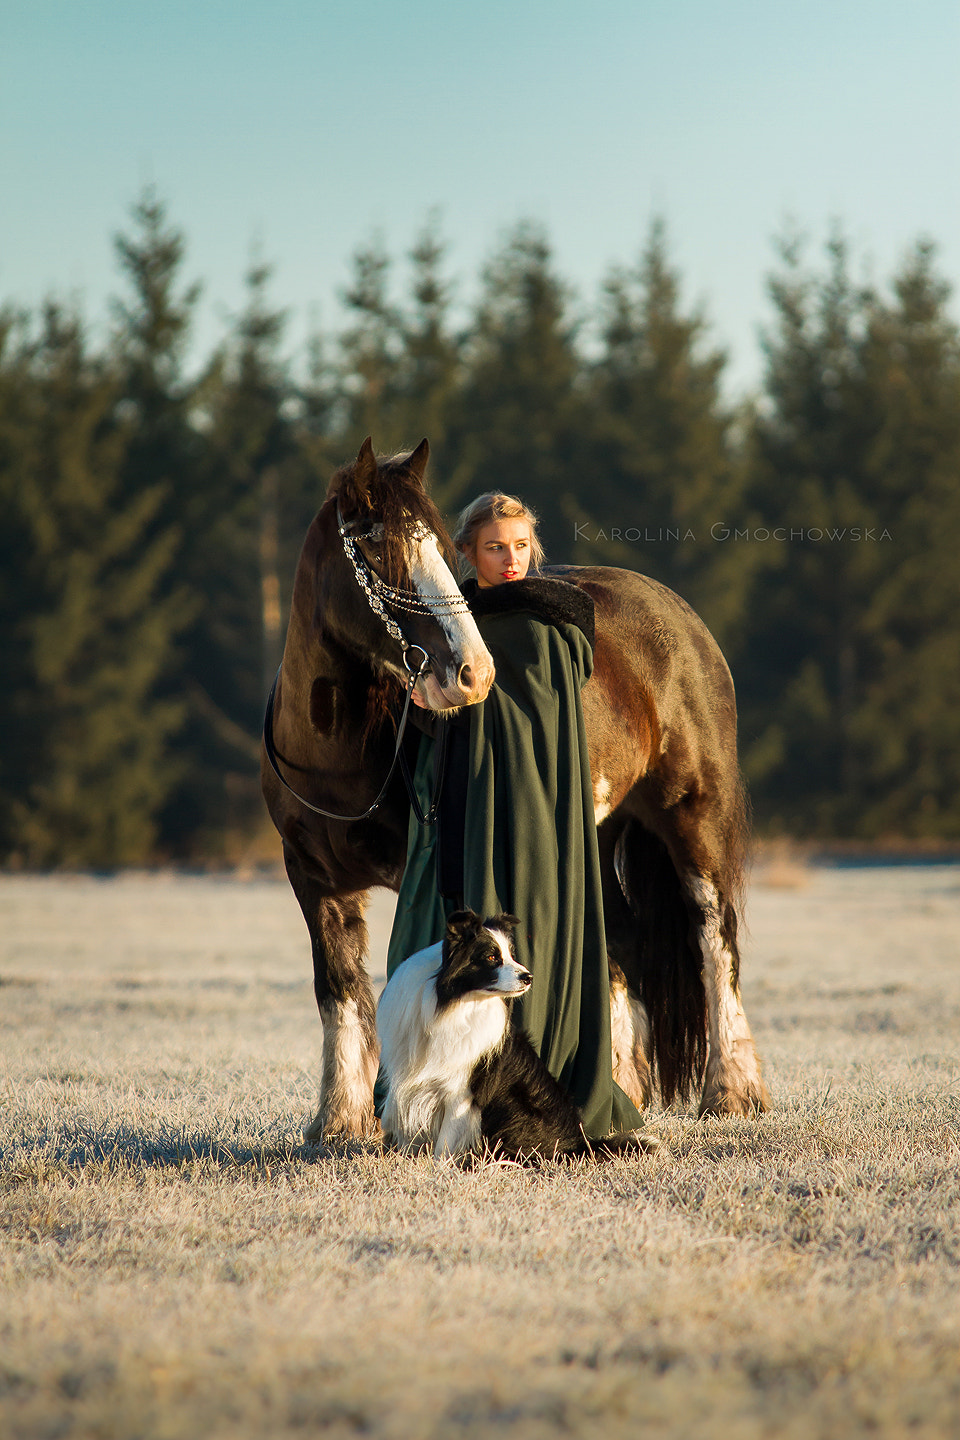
{"x":308,"y":127}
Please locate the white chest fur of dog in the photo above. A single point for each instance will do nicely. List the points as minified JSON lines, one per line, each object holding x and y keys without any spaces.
{"x":431,"y":1044}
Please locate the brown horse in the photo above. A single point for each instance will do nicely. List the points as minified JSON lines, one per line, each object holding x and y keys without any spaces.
{"x":372,"y":590}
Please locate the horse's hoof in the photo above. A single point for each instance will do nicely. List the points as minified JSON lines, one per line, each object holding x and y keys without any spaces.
{"x":313,"y":1130}
{"x":323,"y":1128}
{"x":719,"y":1099}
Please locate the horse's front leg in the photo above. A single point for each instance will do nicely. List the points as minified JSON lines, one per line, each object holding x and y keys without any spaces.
{"x":733,"y":1084}
{"x":347,"y":1008}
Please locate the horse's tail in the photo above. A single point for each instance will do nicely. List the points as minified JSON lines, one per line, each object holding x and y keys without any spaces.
{"x":657,"y":945}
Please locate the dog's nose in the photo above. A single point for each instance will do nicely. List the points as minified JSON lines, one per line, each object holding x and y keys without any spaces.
{"x":525,"y":978}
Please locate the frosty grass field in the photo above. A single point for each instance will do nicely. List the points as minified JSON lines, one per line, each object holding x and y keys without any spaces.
{"x":175,"y":1263}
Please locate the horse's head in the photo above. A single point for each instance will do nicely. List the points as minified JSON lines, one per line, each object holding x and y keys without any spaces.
{"x":396,"y":546}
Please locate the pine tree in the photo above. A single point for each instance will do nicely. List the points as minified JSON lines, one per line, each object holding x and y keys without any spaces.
{"x":21,"y":584}
{"x":855,"y":458}
{"x":163,"y":455}
{"x":151,"y":341}
{"x":805,"y":647}
{"x":399,"y":364}
{"x":429,"y":362}
{"x":906,"y":730}
{"x":234,"y":645}
{"x":662,"y":477}
{"x":94,"y":640}
{"x":370,"y":348}
{"x":518,"y":423}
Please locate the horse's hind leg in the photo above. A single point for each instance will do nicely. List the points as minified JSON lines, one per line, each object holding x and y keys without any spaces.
{"x":347,"y":1008}
{"x":647,"y":918}
{"x":629,"y":1022}
{"x":674,"y":932}
{"x":732,"y":1084}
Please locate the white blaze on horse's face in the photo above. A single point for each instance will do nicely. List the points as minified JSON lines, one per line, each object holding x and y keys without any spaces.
{"x":470,"y":673}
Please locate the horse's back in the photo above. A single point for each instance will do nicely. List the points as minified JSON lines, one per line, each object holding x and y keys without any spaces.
{"x":666,"y":633}
{"x":660,"y":707}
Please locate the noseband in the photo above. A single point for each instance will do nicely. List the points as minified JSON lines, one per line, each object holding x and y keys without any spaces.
{"x":379,"y":595}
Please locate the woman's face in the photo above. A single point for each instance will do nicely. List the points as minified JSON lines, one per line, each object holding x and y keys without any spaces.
{"x":502,"y":552}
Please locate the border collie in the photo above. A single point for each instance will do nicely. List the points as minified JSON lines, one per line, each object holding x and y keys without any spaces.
{"x":460,"y":1078}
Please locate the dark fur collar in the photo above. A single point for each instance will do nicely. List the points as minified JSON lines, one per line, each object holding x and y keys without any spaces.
{"x":556,"y":602}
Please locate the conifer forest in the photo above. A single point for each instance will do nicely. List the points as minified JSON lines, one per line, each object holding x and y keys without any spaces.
{"x":153,"y":509}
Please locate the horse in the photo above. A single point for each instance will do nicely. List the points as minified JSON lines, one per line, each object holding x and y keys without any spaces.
{"x":377,"y":619}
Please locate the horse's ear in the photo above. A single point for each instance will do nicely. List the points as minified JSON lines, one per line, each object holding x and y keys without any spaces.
{"x":418,"y":460}
{"x":365,"y":470}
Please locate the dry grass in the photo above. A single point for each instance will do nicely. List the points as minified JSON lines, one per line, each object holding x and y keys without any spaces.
{"x":174,"y":1263}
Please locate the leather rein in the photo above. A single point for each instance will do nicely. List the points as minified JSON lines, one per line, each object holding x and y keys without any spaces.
{"x":376,"y":591}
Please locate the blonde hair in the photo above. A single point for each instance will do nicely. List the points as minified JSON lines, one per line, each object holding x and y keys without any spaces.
{"x":493,"y":505}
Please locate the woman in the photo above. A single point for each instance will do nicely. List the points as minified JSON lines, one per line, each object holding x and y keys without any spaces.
{"x":516,"y":829}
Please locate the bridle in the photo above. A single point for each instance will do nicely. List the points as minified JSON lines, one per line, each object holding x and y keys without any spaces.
{"x":379,"y":594}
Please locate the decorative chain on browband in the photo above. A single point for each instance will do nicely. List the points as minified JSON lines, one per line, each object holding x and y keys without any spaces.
{"x":377,"y":591}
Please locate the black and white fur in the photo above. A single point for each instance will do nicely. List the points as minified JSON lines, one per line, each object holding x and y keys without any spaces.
{"x":461,"y":1079}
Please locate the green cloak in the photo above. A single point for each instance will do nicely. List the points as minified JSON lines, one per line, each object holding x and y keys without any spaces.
{"x":530,"y":841}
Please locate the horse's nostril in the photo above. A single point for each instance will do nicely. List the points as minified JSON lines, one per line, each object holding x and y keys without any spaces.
{"x":465,"y":677}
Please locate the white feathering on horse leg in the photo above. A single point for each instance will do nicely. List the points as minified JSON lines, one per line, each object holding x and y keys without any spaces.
{"x":348,"y":1075}
{"x":733,"y":1084}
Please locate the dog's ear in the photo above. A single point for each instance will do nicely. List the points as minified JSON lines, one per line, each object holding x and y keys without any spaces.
{"x":463,"y":923}
{"x":507,"y":923}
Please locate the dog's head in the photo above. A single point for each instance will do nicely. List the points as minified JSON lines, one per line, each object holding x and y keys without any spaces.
{"x":478,"y":959}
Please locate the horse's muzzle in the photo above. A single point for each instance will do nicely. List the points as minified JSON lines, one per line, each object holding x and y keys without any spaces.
{"x":474,"y":681}
{"x":467,"y":686}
